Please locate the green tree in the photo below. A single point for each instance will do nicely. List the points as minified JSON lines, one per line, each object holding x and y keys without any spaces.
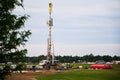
{"x":116,"y":58}
{"x":13,"y":36}
{"x":107,"y":58}
{"x":97,"y":57}
{"x":89,"y":57}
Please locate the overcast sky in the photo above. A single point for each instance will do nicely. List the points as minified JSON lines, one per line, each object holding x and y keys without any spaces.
{"x":80,"y":26}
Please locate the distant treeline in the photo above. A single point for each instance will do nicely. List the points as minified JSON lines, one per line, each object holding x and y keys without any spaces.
{"x":70,"y":59}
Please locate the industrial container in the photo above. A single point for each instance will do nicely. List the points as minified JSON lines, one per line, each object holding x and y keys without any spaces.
{"x":101,"y":66}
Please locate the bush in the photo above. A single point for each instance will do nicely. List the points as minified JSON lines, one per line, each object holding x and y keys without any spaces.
{"x":4,"y":72}
{"x":21,"y":67}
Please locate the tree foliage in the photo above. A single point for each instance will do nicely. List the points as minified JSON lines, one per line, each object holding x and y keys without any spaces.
{"x":13,"y":36}
{"x":12,"y":33}
{"x":70,"y":59}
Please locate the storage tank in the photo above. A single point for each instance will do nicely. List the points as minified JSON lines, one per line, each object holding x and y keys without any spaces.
{"x":101,"y":66}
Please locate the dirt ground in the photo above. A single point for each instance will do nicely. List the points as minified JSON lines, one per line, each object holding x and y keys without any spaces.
{"x":29,"y":75}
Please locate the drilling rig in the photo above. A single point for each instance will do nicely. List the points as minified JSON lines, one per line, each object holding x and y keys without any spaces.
{"x":50,"y":45}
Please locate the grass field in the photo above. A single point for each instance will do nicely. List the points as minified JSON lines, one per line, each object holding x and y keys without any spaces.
{"x":113,"y":74}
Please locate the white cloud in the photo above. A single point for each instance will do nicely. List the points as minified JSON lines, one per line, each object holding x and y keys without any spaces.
{"x":36,"y":49}
{"x":38,"y":31}
{"x":67,"y":8}
{"x":80,"y":50}
{"x":72,"y":19}
{"x":31,"y":10}
{"x":88,"y":8}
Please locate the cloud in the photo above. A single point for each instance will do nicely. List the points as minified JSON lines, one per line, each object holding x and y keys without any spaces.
{"x":72,"y":49}
{"x":36,"y":49}
{"x":66,"y":8}
{"x":31,"y":10}
{"x":75,"y":22}
{"x":87,"y":8}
